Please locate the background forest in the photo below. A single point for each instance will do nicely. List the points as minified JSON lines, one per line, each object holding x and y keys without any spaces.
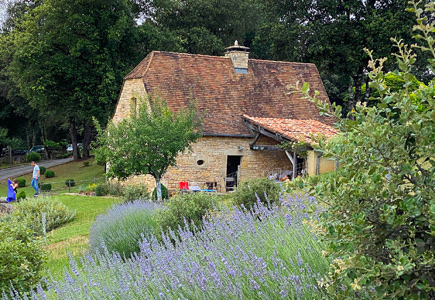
{"x":62,"y":61}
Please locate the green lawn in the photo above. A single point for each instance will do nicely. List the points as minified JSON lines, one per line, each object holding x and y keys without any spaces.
{"x":73,"y":237}
{"x":83,"y":176}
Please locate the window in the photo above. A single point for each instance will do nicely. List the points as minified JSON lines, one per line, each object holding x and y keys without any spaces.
{"x":133,"y":106}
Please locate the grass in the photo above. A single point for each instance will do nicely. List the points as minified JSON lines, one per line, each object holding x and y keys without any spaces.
{"x":73,"y":237}
{"x":83,"y":176}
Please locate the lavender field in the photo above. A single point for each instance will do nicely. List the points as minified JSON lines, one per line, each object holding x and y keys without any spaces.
{"x":267,"y":253}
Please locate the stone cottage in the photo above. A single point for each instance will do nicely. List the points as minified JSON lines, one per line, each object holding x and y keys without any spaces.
{"x":248,"y":112}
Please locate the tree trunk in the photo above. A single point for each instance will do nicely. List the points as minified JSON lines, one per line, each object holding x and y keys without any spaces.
{"x":159,"y":189}
{"x":33,"y":136}
{"x":358,"y":82}
{"x":11,"y":158}
{"x":73,"y":133}
{"x":86,"y":140}
{"x":43,"y":140}
{"x":28,"y":137}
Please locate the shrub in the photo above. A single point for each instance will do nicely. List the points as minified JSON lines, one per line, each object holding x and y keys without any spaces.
{"x":85,"y":164}
{"x":182,"y":209}
{"x":114,"y":189}
{"x":70,"y":183}
{"x":49,"y":174}
{"x":21,"y":257}
{"x":42,"y":170}
{"x":135,"y":192}
{"x":21,"y":182}
{"x":379,"y":222}
{"x":236,"y":256}
{"x":122,"y":228}
{"x":101,"y":190}
{"x":91,"y":187}
{"x":45,"y":187}
{"x":30,"y":212}
{"x":248,"y":191}
{"x":165,"y":193}
{"x":33,"y":156}
{"x":21,"y":195}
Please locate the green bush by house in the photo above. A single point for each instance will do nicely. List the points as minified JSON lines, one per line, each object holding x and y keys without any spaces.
{"x":165,"y":193}
{"x":246,"y":194}
{"x":21,"y":182}
{"x":135,"y":192}
{"x":42,"y":170}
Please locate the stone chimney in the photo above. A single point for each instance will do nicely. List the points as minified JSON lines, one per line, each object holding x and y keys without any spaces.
{"x":239,"y":56}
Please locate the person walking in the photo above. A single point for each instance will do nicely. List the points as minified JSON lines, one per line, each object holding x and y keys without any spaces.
{"x":35,"y":178}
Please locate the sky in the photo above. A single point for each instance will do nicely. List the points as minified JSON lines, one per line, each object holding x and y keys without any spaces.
{"x":3,"y":7}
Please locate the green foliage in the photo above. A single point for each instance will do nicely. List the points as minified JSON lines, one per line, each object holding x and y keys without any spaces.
{"x":30,"y":212}
{"x":85,"y":164}
{"x":21,"y":257}
{"x":42,"y":170}
{"x":101,"y":190}
{"x":21,"y":195}
{"x":70,"y":183}
{"x":184,"y":209}
{"x":21,"y":182}
{"x":165,"y":193}
{"x":246,"y":194}
{"x":49,"y":174}
{"x":135,"y":192}
{"x":33,"y":156}
{"x":114,"y":189}
{"x":379,"y":219}
{"x":45,"y":187}
{"x":149,"y":141}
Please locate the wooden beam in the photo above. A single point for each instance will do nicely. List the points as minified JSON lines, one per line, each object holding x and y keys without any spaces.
{"x":294,"y":164}
{"x":266,"y":147}
{"x":255,"y":139}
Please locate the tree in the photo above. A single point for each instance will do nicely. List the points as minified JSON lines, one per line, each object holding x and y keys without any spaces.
{"x":70,"y":58}
{"x":149,"y":141}
{"x":379,"y":219}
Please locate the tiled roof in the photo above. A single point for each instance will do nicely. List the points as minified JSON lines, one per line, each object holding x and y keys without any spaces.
{"x":292,"y":129}
{"x":224,"y":95}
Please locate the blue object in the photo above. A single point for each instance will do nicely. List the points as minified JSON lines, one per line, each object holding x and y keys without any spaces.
{"x":11,"y":193}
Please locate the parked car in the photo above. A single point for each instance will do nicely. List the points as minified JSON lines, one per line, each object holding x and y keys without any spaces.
{"x":38,"y":148}
{"x":19,"y":152}
{"x":70,"y":147}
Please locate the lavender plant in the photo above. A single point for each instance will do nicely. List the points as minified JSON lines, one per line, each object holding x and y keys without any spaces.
{"x":261,"y":254}
{"x":122,"y":228}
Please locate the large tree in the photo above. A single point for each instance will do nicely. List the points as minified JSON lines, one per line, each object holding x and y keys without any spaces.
{"x":149,"y":141}
{"x":70,"y":58}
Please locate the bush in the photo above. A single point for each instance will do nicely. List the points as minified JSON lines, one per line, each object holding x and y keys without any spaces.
{"x":85,"y":164}
{"x":135,"y":192}
{"x":122,"y":228}
{"x":42,"y":170}
{"x":101,"y":190}
{"x":165,"y":193}
{"x":70,"y":183}
{"x":379,"y":219}
{"x":49,"y":174}
{"x":248,"y":191}
{"x":21,"y":182}
{"x":182,"y":209}
{"x":30,"y":212}
{"x":21,"y":257}
{"x":21,"y":195}
{"x":33,"y":156}
{"x":45,"y":187}
{"x":114,"y":189}
{"x":236,"y":256}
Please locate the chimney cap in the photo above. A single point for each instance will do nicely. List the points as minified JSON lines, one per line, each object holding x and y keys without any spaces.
{"x":237,"y":47}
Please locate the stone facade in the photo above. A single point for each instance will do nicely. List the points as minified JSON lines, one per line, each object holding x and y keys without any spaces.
{"x":133,"y":91}
{"x":207,"y":162}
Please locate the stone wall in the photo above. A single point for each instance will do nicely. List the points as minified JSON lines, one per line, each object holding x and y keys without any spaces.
{"x":325,"y":164}
{"x":213,"y":152}
{"x":133,"y":91}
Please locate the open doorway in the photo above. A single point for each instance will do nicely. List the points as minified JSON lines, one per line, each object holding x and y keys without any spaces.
{"x":233,"y":163}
